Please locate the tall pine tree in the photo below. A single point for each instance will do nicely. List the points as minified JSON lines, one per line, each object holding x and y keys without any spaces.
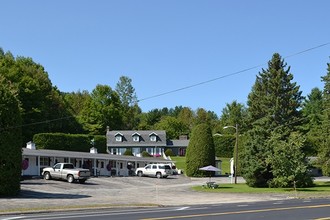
{"x":272,"y":110}
{"x":313,"y":111}
{"x":324,"y":154}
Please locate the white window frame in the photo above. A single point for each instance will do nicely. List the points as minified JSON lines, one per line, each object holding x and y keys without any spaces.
{"x":114,"y":151}
{"x":153,"y":138}
{"x":44,"y":161}
{"x":136,"y":138}
{"x":136,"y":151}
{"x":150,"y":150}
{"x":121,"y":151}
{"x":119,"y":138}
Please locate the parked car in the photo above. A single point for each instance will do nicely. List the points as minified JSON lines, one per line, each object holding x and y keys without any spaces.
{"x":154,"y":170}
{"x":66,"y":171}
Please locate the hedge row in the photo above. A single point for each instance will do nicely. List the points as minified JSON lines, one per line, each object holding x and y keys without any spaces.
{"x":69,"y":142}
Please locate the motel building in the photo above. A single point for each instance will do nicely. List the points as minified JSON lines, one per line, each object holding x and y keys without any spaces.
{"x":35,"y":160}
{"x":114,"y":163}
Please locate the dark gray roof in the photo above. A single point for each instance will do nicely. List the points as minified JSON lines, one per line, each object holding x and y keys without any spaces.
{"x":144,"y":141}
{"x":74,"y":154}
{"x":177,"y":143}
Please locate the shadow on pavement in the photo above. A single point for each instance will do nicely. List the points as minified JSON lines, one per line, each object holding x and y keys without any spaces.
{"x":55,"y":182}
{"x":28,"y":194}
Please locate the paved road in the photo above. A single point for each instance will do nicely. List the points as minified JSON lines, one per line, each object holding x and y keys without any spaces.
{"x":39,"y":194}
{"x":272,"y":210}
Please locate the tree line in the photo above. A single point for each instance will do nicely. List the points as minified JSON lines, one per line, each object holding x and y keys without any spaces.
{"x":279,"y":130}
{"x":276,"y":120}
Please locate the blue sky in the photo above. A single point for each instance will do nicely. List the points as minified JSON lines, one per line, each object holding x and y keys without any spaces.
{"x":168,"y":45}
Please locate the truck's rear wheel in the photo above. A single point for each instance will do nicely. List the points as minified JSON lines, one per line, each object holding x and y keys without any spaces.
{"x":70,"y":178}
{"x":158,"y":175}
{"x":47,"y":176}
{"x":140,"y":174}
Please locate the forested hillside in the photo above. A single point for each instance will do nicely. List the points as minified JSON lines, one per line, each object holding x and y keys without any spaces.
{"x":276,"y":112}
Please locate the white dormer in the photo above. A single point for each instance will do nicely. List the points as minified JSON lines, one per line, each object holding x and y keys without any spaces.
{"x":153,"y":137}
{"x":119,"y":137}
{"x":136,"y":137}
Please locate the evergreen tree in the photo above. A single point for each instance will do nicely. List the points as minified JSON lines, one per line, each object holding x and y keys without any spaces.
{"x":324,"y":154}
{"x":272,"y":110}
{"x":10,"y":140}
{"x":313,"y":110}
{"x":200,"y":151}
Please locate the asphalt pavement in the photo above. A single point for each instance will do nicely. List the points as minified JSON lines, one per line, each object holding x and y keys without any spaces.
{"x":43,"y":195}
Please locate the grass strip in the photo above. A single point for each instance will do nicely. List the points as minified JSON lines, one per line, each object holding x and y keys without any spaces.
{"x":320,"y":189}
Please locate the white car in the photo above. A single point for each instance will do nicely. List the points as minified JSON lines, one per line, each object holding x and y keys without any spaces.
{"x":154,"y":170}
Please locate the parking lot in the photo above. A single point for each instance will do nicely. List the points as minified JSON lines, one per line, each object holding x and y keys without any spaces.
{"x":119,"y":191}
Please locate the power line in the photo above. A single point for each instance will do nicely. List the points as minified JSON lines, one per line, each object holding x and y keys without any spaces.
{"x":231,"y":74}
{"x":180,"y":89}
{"x":37,"y":123}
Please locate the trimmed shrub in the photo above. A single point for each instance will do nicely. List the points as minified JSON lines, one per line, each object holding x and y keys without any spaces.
{"x":145,"y":154}
{"x":169,"y":152}
{"x":69,"y":142}
{"x":128,"y":152}
{"x":200,"y":151}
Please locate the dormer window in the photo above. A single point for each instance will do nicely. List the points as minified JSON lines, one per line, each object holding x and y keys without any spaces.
{"x":119,"y":137}
{"x":153,"y":137}
{"x":136,"y":137}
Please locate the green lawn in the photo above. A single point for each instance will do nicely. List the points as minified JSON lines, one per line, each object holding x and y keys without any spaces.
{"x":180,"y":163}
{"x":321,"y":189}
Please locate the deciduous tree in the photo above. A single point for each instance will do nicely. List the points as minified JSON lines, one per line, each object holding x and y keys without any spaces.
{"x":10,"y":140}
{"x":43,"y":107}
{"x":173,"y":127}
{"x":289,"y":164}
{"x":104,"y":109}
{"x":128,"y":98}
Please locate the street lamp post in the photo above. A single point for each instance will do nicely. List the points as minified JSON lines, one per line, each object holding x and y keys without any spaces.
{"x":236,"y":150}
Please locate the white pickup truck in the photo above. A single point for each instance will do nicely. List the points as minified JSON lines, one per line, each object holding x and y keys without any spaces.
{"x":156,"y":170}
{"x":66,"y":171}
